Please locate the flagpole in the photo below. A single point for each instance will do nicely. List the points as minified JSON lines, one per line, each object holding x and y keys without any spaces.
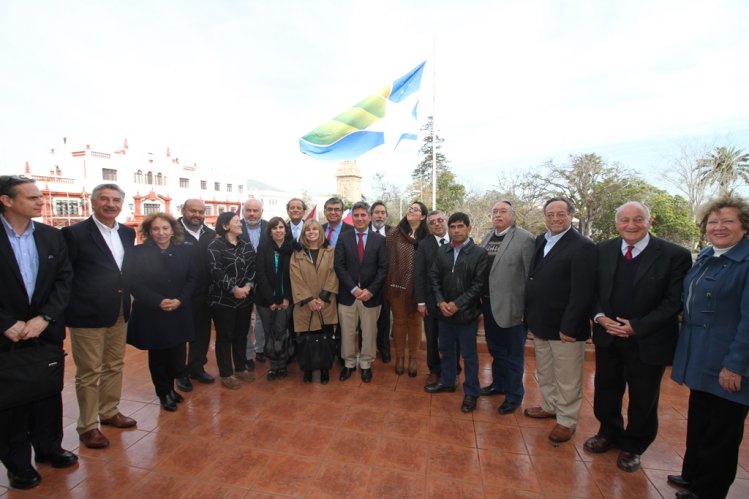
{"x":434,"y":127}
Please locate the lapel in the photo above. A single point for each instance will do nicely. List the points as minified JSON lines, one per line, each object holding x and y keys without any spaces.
{"x":555,"y":250}
{"x":607,"y":267}
{"x":503,"y":247}
{"x":648,"y":258}
{"x":95,"y":234}
{"x":6,"y":251}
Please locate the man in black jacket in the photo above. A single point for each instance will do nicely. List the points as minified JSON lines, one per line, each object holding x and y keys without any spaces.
{"x":379,"y":214}
{"x":458,"y":280}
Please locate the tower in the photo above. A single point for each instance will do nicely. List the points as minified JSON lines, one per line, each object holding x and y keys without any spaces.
{"x":348,"y":181}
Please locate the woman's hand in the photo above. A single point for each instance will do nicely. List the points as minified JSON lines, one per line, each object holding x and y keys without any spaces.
{"x":170,"y":304}
{"x":729,"y":380}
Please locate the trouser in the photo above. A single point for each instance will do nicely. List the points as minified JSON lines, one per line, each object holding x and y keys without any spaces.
{"x":231,"y":338}
{"x":99,"y":355}
{"x":197,"y":357}
{"x":715,"y":428}
{"x":618,"y":368}
{"x":255,"y":335}
{"x":383,"y":329}
{"x":37,"y":424}
{"x":466,"y":338}
{"x":407,"y":326}
{"x":434,"y":362}
{"x":507,"y":347}
{"x":276,"y":328}
{"x":349,"y":316}
{"x":165,"y":365}
{"x":559,"y":367}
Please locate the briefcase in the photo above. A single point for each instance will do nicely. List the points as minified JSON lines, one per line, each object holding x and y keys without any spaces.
{"x":30,"y":371}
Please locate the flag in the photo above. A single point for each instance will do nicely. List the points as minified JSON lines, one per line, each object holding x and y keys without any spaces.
{"x":391,"y":112}
{"x":348,"y":217}
{"x":312,"y":214}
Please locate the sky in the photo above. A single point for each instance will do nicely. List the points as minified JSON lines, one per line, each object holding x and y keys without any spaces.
{"x":231,"y":85}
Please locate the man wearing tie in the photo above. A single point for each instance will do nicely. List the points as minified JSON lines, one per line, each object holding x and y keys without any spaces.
{"x":361,"y":267}
{"x":335,"y":225}
{"x":296,"y":208}
{"x":636,"y":327}
{"x":379,"y":214}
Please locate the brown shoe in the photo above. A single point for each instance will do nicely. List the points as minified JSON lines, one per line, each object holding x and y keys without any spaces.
{"x":231,"y":383}
{"x":538,"y":413}
{"x":94,"y":439}
{"x":598,"y":445}
{"x":561,"y":433}
{"x":628,"y":461}
{"x":119,"y":421}
{"x":432,"y":379}
{"x":245,"y":376}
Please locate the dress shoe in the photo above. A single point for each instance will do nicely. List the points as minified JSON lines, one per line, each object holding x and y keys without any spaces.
{"x":561,"y":433}
{"x":24,"y":479}
{"x":399,"y":365}
{"x":386,"y":358}
{"x":246,"y":376}
{"x":177,"y":397}
{"x":508,"y":407}
{"x":203,"y":377}
{"x":324,"y":376}
{"x":598,"y":445}
{"x":271,"y":375}
{"x":366,"y":375}
{"x":282,"y":373}
{"x":469,"y":403}
{"x":432,"y":379}
{"x":346,"y":373}
{"x":168,"y":403}
{"x":308,"y":376}
{"x":538,"y":413}
{"x":628,"y":461}
{"x":260,"y":357}
{"x":231,"y":383}
{"x":119,"y":421}
{"x":250,"y":365}
{"x":183,"y":384}
{"x":686,"y":494}
{"x":488,"y":391}
{"x":94,"y":439}
{"x":439,"y":388}
{"x":59,"y":459}
{"x":678,"y":480}
{"x":412,"y":366}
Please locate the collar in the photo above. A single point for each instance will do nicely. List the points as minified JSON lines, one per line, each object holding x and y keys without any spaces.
{"x":104,"y":227}
{"x":12,"y":232}
{"x":639,"y":245}
{"x":557,"y":237}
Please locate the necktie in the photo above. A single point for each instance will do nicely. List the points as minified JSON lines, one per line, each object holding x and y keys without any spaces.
{"x":442,"y":241}
{"x":628,"y":254}
{"x":360,"y":246}
{"x":330,"y":232}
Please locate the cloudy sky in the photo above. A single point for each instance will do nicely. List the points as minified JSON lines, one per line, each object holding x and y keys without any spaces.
{"x":232,"y":85}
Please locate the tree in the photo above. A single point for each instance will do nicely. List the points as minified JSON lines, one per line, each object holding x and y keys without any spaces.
{"x":450,"y":194}
{"x":684,"y":174}
{"x":724,"y":167}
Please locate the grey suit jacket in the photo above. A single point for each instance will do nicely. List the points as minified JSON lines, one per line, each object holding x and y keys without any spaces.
{"x":508,"y":275}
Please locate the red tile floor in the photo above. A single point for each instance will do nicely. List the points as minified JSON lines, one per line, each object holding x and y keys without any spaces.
{"x":386,"y":439}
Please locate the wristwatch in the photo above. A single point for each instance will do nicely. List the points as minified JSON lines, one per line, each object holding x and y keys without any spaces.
{"x":47,"y":318}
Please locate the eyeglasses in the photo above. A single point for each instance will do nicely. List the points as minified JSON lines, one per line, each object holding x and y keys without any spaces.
{"x":436,"y":221}
{"x":413,"y":209}
{"x":333,"y":209}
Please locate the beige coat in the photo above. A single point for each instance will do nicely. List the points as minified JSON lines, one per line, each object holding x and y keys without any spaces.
{"x":307,"y":281}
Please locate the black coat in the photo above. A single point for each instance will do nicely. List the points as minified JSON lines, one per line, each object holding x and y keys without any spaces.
{"x":425,"y":256}
{"x":157,"y":275}
{"x":200,"y":252}
{"x":462,"y":283}
{"x":369,"y":274}
{"x":272,"y":285}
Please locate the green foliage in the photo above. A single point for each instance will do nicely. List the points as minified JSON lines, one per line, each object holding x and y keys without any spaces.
{"x":725,"y":167}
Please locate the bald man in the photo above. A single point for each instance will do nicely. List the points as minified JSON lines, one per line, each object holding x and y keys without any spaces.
{"x":253,"y":231}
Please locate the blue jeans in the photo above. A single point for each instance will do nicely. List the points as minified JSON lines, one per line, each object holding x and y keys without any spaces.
{"x":466,"y":336}
{"x":507,"y":346}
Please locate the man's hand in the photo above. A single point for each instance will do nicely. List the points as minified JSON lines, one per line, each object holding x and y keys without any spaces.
{"x":565,"y":338}
{"x":13,"y":333}
{"x":34,"y":328}
{"x":365,"y":295}
{"x":448,"y":309}
{"x":620,"y":327}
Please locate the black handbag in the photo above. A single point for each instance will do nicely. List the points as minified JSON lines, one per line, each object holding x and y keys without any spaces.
{"x":278,"y":344}
{"x":316,"y":349}
{"x":29,"y":372}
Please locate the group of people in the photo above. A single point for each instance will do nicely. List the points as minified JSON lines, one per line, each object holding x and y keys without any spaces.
{"x":318,"y":292}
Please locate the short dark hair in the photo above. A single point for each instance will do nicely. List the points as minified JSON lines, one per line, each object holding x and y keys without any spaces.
{"x":145,"y":227}
{"x":288,"y":203}
{"x":9,"y":185}
{"x":360,"y":205}
{"x":333,"y":200}
{"x":570,"y":206}
{"x":222,"y":220}
{"x":459,"y":216}
{"x":273,"y":223}
{"x":376,"y":204}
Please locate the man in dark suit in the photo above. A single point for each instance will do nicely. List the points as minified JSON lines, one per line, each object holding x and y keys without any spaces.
{"x":379,"y":214}
{"x":36,"y":275}
{"x":99,"y":250}
{"x":295,"y":209}
{"x":636,"y":327}
{"x":558,"y":298}
{"x":199,"y":236}
{"x":253,"y":231}
{"x":335,"y":225}
{"x":361,"y":267}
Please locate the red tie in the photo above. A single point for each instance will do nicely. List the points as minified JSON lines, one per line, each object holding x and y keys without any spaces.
{"x":330,"y":232}
{"x":360,"y":246}
{"x":628,"y":254}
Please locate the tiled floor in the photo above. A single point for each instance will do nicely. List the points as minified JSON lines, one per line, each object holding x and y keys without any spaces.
{"x":386,"y":439}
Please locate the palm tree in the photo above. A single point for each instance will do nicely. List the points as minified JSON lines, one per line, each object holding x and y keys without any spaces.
{"x":725,"y":166}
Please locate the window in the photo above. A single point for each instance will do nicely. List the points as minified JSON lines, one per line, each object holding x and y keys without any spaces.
{"x":221,"y":209}
{"x":240,"y":189}
{"x":109,"y":174}
{"x":184,"y":183}
{"x":149,"y":178}
{"x":217,"y":186}
{"x":67,"y":207}
{"x":209,"y":210}
{"x":203,"y":185}
{"x":159,"y":179}
{"x":139,"y":177}
{"x":228,"y":187}
{"x":151,"y":208}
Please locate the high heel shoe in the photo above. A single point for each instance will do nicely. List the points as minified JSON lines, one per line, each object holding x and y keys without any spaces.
{"x":168,"y":403}
{"x":399,"y":365}
{"x":412,"y":367}
{"x":324,"y":376}
{"x":308,"y":376}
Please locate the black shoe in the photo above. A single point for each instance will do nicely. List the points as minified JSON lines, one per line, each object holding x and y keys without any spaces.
{"x":469,"y":403}
{"x":250,"y":365}
{"x":686,"y":494}
{"x":24,"y":479}
{"x":203,"y":377}
{"x":508,"y":407}
{"x":346,"y":373}
{"x":271,"y":375}
{"x":438,"y":388}
{"x":282,"y":373}
{"x":308,"y":376}
{"x":488,"y":391}
{"x":324,"y":376}
{"x":386,"y":357}
{"x":177,"y":397}
{"x":260,"y":357}
{"x":677,"y":480}
{"x":168,"y":403}
{"x":59,"y":459}
{"x":366,"y":375}
{"x":184,"y":384}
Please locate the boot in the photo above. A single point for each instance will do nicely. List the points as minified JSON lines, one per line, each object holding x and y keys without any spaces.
{"x":399,"y":365}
